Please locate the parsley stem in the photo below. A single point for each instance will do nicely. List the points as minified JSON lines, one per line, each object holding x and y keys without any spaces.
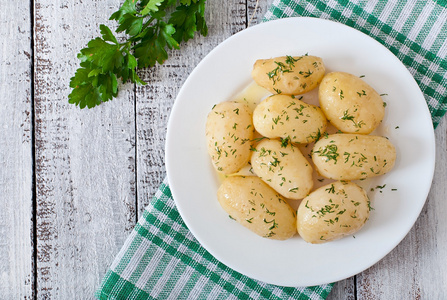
{"x":125,"y":46}
{"x":142,"y":33}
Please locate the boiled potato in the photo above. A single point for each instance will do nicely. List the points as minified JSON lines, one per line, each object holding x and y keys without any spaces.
{"x":289,"y":75}
{"x":229,"y":132}
{"x":283,"y":116}
{"x":332,"y":212}
{"x":285,"y":169}
{"x":353,"y":156}
{"x":257,"y":206}
{"x":350,"y":104}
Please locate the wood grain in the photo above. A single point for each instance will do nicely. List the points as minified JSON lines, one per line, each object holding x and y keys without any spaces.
{"x":344,"y":289}
{"x":85,"y":181}
{"x":256,"y":10}
{"x":16,"y":252}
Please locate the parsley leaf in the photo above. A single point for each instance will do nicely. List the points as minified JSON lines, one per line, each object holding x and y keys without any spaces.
{"x":152,"y":5}
{"x":187,"y":19}
{"x":128,"y":7}
{"x":151,"y":27}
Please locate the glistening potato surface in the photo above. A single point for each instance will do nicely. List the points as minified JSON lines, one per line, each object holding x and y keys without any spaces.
{"x":283,"y":167}
{"x":353,"y":156}
{"x":283,"y":116}
{"x":289,"y":75}
{"x":257,"y":207}
{"x":350,"y":104}
{"x":229,"y":132}
{"x":332,"y":212}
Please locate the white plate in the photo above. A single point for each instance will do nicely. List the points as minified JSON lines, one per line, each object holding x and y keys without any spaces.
{"x":222,"y":74}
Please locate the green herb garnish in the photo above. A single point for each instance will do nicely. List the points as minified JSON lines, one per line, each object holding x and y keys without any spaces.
{"x":329,"y":151}
{"x":151,"y":27}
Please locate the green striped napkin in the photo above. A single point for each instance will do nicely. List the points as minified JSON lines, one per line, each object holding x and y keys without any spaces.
{"x":162,"y":260}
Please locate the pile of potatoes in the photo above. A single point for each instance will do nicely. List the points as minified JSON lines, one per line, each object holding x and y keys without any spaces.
{"x":282,"y":172}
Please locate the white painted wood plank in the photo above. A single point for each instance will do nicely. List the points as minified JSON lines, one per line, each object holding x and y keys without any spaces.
{"x":155,"y":100}
{"x":16,"y":252}
{"x":84,"y":159}
{"x":416,"y":268}
{"x":256,"y":10}
{"x":344,"y":289}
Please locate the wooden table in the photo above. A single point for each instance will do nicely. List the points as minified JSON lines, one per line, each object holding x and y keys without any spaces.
{"x":74,"y":182}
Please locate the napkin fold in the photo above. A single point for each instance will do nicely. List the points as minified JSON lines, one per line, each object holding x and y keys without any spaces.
{"x":161,"y":259}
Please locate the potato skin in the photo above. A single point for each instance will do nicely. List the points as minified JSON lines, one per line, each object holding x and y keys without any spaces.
{"x":258,"y":207}
{"x":285,"y":169}
{"x":353,"y":156}
{"x":332,"y":212}
{"x":289,"y":75}
{"x":229,"y":133}
{"x":350,"y":104}
{"x":283,"y":116}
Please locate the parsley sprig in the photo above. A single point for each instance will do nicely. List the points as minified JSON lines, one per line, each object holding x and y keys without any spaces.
{"x":151,"y":27}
